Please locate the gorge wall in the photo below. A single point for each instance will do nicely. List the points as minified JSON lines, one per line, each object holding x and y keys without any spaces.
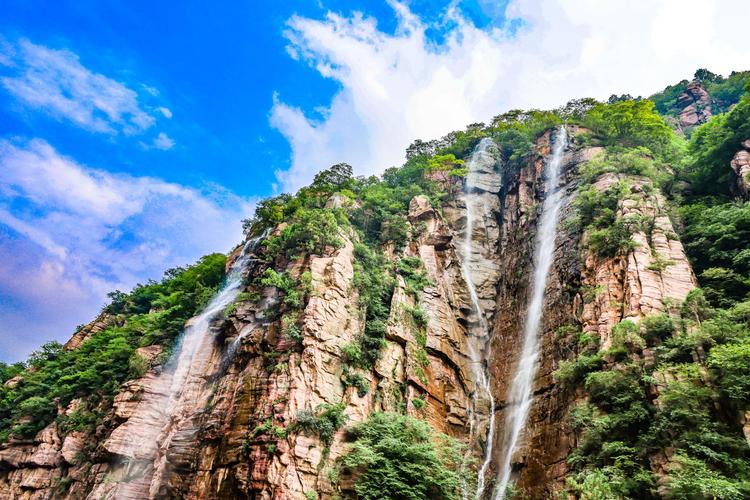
{"x":235,"y":431}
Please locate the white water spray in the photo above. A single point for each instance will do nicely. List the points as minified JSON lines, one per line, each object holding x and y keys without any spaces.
{"x":520,"y":396}
{"x":176,"y":389}
{"x":199,"y":327}
{"x":478,"y":330}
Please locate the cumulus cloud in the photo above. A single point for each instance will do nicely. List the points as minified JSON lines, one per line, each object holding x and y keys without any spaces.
{"x":396,"y":87}
{"x":70,"y":233}
{"x":55,"y":82}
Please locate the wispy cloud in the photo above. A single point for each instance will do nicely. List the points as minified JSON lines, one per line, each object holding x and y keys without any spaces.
{"x":163,"y":141}
{"x":70,"y":233}
{"x":55,"y":82}
{"x":165,"y":111}
{"x":399,"y":86}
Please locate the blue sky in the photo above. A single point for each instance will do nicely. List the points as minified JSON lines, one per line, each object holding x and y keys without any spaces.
{"x":135,"y":135}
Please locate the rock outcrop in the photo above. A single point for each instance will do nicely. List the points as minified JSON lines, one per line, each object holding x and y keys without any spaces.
{"x":741,"y":167}
{"x":696,"y":105}
{"x":649,"y":278}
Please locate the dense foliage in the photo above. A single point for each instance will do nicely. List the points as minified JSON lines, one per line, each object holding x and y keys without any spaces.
{"x":724,"y":92}
{"x":398,"y":456}
{"x":684,"y":397}
{"x":622,"y":428}
{"x":713,"y":145}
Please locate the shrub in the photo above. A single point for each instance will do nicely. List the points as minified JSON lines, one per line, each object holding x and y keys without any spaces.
{"x":323,"y":422}
{"x":414,"y":276}
{"x":396,"y":229}
{"x":418,"y":316}
{"x":572,"y":372}
{"x":289,"y":327}
{"x":695,"y":307}
{"x":356,"y":380}
{"x":608,"y":242}
{"x":419,"y":403}
{"x":657,"y":327}
{"x":310,"y":231}
{"x":352,"y":355}
{"x":397,"y":456}
{"x":626,"y":335}
{"x":80,"y":420}
{"x":692,"y":478}
{"x":713,"y":145}
{"x":630,"y":123}
{"x":294,"y":291}
{"x":138,"y":365}
{"x":597,"y":484}
{"x":613,"y":390}
{"x":730,"y":364}
{"x":375,"y":286}
{"x":268,"y":214}
{"x":632,"y":161}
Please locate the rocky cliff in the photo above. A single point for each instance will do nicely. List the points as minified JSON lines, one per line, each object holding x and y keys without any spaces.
{"x":695,"y":104}
{"x":234,"y":429}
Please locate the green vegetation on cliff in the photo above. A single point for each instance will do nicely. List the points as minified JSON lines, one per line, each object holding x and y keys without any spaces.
{"x":151,"y":313}
{"x":724,"y":92}
{"x":662,"y":404}
{"x":681,"y":405}
{"x":398,"y":456}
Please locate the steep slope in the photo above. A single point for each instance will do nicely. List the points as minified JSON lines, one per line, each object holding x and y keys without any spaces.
{"x":408,"y":294}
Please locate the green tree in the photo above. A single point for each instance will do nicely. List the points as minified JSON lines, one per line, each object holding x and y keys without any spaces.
{"x":396,"y":456}
{"x":630,"y":123}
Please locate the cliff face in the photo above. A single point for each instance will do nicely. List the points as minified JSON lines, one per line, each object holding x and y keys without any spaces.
{"x":582,"y":291}
{"x":696,"y":105}
{"x":230,"y":433}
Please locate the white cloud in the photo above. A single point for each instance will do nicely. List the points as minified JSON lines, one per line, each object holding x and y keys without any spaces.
{"x":69,"y":234}
{"x":163,"y":142}
{"x":165,"y":111}
{"x":396,"y":87}
{"x":55,"y":82}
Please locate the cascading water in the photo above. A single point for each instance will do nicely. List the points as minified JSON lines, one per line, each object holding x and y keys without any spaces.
{"x":199,"y":326}
{"x":478,"y":329}
{"x":519,"y":398}
{"x":172,"y":405}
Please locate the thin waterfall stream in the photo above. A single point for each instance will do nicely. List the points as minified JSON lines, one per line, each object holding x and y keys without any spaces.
{"x":176,"y":400}
{"x":520,"y":395}
{"x":479,"y":329}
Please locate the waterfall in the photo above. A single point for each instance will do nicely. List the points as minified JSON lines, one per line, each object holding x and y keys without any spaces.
{"x":519,"y":398}
{"x":176,"y":391}
{"x":199,"y":327}
{"x":479,"y":330}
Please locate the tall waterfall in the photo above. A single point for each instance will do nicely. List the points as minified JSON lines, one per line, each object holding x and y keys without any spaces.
{"x":199,"y":327}
{"x":172,"y":404}
{"x":479,"y":329}
{"x":520,"y":395}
